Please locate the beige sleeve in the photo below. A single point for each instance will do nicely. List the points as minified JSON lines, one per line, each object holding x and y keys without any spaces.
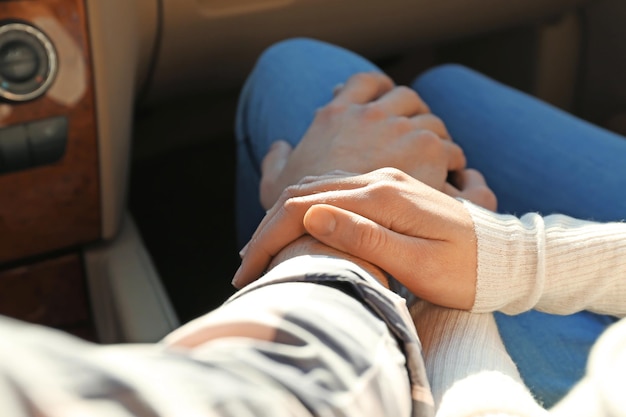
{"x":468,"y":367}
{"x":555,"y":264}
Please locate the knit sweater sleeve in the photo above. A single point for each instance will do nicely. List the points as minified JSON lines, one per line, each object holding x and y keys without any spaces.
{"x":554,"y":264}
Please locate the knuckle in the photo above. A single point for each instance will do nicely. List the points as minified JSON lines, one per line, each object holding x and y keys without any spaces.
{"x":373,"y":112}
{"x":401,"y":126}
{"x":294,"y":208}
{"x":429,"y":138}
{"x":368,"y":237}
{"x":457,"y":152}
{"x":389,"y":173}
{"x":305,"y":180}
{"x":457,"y":149}
{"x":291,"y":191}
{"x":330,"y":110}
{"x":400,"y":176}
{"x":436,"y":124}
{"x":412,"y":96}
{"x":406,"y":92}
{"x":381,"y":77}
{"x":365,"y":78}
{"x":290,"y":205}
{"x":428,"y":142}
{"x":386,"y":183}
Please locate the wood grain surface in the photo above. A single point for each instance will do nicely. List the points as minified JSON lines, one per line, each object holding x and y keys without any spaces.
{"x":51,"y":293}
{"x":55,"y":206}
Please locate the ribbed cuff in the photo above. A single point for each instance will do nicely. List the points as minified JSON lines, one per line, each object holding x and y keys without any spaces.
{"x":510,"y":275}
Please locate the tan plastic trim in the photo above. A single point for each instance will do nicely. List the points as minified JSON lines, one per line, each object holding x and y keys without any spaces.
{"x":231,"y":7}
{"x":558,"y":60}
{"x":122,"y":35}
{"x":128,"y":301}
{"x":208,"y":46}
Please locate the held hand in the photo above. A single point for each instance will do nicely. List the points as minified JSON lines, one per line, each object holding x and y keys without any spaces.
{"x":370,"y":124}
{"x":422,"y":237}
{"x":307,"y":245}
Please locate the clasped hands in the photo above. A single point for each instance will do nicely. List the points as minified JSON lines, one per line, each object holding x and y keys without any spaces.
{"x":374,"y":177}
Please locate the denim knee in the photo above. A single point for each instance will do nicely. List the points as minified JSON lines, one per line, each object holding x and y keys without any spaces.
{"x":283,"y":51}
{"x":446,"y":73}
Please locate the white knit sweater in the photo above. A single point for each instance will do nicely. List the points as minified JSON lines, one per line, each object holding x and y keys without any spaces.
{"x":555,"y":264}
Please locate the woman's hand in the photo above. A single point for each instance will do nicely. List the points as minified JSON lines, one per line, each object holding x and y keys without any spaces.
{"x":422,"y":237}
{"x":370,"y":124}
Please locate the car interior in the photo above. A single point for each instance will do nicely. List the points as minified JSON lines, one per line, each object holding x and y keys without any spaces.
{"x":117,"y":151}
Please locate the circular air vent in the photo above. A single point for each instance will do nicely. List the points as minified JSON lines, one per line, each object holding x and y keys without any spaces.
{"x":28,"y":62}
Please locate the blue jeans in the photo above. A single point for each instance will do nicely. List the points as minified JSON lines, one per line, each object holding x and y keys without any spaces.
{"x":534,"y":156}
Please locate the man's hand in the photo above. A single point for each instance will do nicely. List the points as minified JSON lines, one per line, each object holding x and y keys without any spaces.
{"x":422,"y":237}
{"x":370,"y":124}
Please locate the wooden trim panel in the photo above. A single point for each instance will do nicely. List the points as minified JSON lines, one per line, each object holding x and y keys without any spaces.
{"x":54,"y":206}
{"x":50,"y":293}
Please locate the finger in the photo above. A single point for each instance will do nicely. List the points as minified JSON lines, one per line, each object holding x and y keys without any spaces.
{"x":468,"y":179}
{"x":277,"y":230}
{"x":283,"y":222}
{"x":310,"y":185}
{"x":319,"y":187}
{"x":314,"y":185}
{"x":363,"y":88}
{"x":271,"y":169}
{"x":473,"y":187}
{"x":257,"y":254}
{"x":275,"y":160}
{"x":431,"y":122}
{"x":463,"y":183}
{"x":337,"y":89}
{"x":456,"y":156}
{"x":436,"y":151}
{"x":451,"y":190}
{"x":402,"y":101}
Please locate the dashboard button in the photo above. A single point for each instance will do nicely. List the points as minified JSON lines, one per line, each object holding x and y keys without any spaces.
{"x":14,"y":149}
{"x":47,"y":139}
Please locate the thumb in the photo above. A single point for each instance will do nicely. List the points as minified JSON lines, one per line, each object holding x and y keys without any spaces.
{"x":271,"y":168}
{"x":429,"y":269}
{"x":358,"y":236}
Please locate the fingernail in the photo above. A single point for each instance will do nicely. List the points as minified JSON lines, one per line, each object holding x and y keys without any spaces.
{"x":236,"y":278}
{"x":244,"y":250}
{"x":321,"y":222}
